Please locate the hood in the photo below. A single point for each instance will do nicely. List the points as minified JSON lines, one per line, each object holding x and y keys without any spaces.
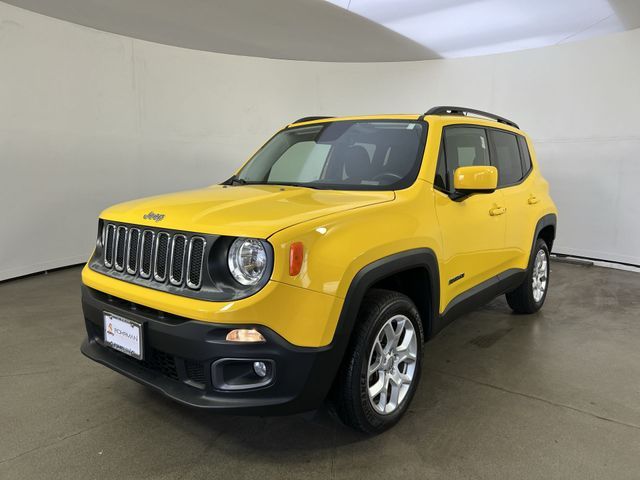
{"x":248,"y":210}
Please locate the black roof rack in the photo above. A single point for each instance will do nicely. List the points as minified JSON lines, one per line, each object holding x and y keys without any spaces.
{"x":309,"y":119}
{"x":443,"y":110}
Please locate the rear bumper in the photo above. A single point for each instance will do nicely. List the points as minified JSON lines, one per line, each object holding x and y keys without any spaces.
{"x":179,"y":354}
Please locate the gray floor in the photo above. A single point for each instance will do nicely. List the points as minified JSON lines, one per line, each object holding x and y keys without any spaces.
{"x":554,"y":395}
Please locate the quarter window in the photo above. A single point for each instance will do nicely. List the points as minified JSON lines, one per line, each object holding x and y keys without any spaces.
{"x":524,"y":153}
{"x":506,"y":157}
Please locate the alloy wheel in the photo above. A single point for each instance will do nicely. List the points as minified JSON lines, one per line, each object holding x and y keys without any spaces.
{"x":540,"y":275}
{"x":392,"y":364}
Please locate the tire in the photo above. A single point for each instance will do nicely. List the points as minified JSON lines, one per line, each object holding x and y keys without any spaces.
{"x":370,"y":342}
{"x":526,"y":298}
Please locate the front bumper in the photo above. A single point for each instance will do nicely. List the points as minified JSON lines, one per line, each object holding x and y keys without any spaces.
{"x":179,"y":353}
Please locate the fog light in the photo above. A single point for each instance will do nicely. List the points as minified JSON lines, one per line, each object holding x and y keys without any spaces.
{"x":245,"y":335}
{"x":260,"y":368}
{"x":242,"y":373}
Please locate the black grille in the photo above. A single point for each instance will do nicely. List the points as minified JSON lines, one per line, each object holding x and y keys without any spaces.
{"x":196,"y":257}
{"x":177,"y":259}
{"x":161,"y":362}
{"x":132,"y":251}
{"x":148,"y":256}
{"x":147,"y":251}
{"x":162,"y":256}
{"x":121,"y":242}
{"x":195,"y":371}
{"x":109,"y":238}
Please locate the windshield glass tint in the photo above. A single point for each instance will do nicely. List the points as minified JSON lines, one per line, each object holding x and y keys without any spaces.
{"x":348,"y":155}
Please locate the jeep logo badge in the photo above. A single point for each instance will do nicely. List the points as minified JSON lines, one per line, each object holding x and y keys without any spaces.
{"x":154,"y":216}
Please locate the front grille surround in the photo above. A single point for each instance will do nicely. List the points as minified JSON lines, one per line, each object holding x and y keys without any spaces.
{"x":130,"y":253}
{"x":161,"y":256}
{"x":195,"y":261}
{"x":146,"y":253}
{"x":178,"y":250}
{"x":132,"y":250}
{"x":120,"y":248}
{"x":108,"y":242}
{"x":178,"y":262}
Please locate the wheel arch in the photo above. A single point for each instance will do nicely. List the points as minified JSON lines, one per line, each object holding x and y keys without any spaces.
{"x":376,"y":273}
{"x":403,"y":272}
{"x":545,"y":229}
{"x":413,"y":283}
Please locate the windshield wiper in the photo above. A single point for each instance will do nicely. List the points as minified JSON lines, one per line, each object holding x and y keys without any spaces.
{"x":241,"y":181}
{"x":234,"y":180}
{"x":291,"y":184}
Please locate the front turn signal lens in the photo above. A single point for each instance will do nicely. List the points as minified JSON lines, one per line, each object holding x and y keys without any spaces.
{"x":245,"y":335}
{"x":296,"y":255}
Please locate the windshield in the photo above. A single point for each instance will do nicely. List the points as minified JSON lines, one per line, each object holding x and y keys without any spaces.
{"x":345,"y":155}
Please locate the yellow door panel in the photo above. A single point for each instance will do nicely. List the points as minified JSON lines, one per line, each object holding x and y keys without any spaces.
{"x":473,"y":238}
{"x":521,"y":222}
{"x":522,"y":197}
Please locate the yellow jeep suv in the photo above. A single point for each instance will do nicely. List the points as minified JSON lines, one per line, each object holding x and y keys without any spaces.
{"x":321,"y":267}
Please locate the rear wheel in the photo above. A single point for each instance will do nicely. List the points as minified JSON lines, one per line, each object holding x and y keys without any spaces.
{"x":381,"y":369}
{"x":531,"y":294}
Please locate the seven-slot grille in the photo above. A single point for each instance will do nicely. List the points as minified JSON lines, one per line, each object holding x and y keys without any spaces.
{"x":160,"y":256}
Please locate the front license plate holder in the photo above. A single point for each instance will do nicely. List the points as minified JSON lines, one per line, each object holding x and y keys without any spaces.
{"x":124,"y":335}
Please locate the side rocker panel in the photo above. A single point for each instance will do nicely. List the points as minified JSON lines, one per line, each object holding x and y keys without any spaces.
{"x":481,"y":294}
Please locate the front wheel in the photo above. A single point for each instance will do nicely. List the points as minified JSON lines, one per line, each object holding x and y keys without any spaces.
{"x":381,"y":369}
{"x":530,"y":295}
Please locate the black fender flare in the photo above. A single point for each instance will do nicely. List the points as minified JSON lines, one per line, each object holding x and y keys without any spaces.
{"x":381,"y":269}
{"x":550,"y":219}
{"x":364,"y":280}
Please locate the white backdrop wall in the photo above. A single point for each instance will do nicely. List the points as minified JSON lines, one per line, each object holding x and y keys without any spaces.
{"x":88,"y":119}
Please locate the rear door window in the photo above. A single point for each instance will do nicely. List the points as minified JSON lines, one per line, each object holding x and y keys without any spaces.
{"x":506,"y":157}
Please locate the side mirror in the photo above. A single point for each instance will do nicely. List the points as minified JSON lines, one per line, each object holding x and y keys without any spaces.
{"x":476,"y":179}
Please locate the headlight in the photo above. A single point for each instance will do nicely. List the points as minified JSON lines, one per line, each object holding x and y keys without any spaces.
{"x":247,"y":260}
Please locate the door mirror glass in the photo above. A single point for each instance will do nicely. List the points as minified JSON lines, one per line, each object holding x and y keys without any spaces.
{"x":475,"y":179}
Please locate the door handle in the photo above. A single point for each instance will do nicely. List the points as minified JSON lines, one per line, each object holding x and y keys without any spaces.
{"x":533,"y":200}
{"x":497,"y":211}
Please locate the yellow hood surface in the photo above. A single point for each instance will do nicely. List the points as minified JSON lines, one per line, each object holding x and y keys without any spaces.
{"x":247,"y":210}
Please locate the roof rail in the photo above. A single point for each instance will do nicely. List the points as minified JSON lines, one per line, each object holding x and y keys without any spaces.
{"x":309,"y":119}
{"x":444,"y":110}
